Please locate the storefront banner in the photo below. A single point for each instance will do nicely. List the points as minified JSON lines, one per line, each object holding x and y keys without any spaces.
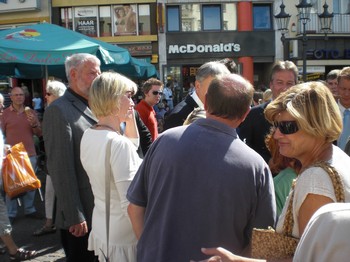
{"x":217,"y":44}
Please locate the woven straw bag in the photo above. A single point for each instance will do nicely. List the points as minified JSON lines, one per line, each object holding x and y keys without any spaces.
{"x":268,"y":244}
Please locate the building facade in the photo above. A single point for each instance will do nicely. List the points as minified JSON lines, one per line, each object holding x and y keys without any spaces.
{"x":197,"y":32}
{"x":323,"y":52}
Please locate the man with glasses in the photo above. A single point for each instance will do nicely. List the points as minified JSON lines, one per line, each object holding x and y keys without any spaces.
{"x":20,"y":125}
{"x":152,"y":93}
{"x":204,"y":75}
{"x":255,"y":127}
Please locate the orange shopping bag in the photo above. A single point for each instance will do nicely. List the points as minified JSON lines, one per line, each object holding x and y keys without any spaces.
{"x":17,"y":172}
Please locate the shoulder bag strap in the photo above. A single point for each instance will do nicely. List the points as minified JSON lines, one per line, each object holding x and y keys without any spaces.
{"x":338,"y":189}
{"x":336,"y":180}
{"x":108,"y":192}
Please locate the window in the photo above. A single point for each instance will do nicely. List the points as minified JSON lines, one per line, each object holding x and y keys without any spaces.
{"x":66,"y":18}
{"x":229,"y":14}
{"x":201,"y":17}
{"x":85,"y":20}
{"x":99,"y":21}
{"x":262,"y":17}
{"x":211,"y":17}
{"x":173,"y":18}
{"x":144,"y":20}
{"x":341,"y":6}
{"x":105,"y":21}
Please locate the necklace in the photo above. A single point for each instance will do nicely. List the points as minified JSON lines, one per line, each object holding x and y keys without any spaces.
{"x":108,"y":127}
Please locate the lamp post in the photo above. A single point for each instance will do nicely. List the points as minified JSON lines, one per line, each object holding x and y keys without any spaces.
{"x":304,"y":10}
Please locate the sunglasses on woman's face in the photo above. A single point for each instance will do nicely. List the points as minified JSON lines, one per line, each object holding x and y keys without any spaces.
{"x":287,"y":127}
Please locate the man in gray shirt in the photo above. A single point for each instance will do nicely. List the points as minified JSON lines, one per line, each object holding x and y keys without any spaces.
{"x":214,"y":189}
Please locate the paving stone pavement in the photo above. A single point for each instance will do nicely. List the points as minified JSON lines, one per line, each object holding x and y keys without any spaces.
{"x":48,"y":246}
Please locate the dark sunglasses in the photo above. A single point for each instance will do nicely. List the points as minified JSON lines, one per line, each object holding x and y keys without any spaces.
{"x":48,"y":94}
{"x":287,"y":127}
{"x":157,"y":93}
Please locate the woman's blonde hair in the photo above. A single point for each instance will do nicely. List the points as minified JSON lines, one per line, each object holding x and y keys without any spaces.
{"x":314,"y":108}
{"x":106,"y":91}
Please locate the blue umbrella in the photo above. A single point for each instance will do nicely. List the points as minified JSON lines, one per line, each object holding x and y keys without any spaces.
{"x":36,"y":51}
{"x":141,"y":69}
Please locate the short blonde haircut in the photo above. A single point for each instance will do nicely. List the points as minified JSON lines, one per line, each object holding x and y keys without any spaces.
{"x":314,"y":108}
{"x":106,"y":91}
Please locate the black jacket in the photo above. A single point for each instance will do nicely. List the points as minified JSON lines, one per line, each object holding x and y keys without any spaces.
{"x":178,"y":115}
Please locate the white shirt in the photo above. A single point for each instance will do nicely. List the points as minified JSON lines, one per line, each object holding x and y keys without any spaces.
{"x":316,"y":180}
{"x":197,"y":100}
{"x":326,"y":236}
{"x":168,"y":94}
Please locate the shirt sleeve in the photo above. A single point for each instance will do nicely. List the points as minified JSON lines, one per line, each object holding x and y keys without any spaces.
{"x":124,"y":162}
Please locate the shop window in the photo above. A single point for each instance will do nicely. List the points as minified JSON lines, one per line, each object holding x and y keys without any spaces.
{"x":173,"y":18}
{"x":85,"y":20}
{"x":125,"y":18}
{"x":144,"y":20}
{"x":66,"y":19}
{"x":190,"y":17}
{"x":262,"y":17}
{"x":211,"y":17}
{"x":229,"y":14}
{"x":105,"y":21}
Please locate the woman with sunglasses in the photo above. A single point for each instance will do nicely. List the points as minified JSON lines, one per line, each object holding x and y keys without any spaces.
{"x":307,"y":121}
{"x":54,"y":89}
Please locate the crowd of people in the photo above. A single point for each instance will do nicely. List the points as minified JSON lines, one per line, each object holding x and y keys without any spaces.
{"x":192,"y":186}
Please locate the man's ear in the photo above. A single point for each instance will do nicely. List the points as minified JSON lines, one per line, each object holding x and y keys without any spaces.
{"x":72,"y":73}
{"x":197,"y":85}
{"x":245,"y":115}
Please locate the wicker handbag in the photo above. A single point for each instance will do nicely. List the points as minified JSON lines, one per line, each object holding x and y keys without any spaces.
{"x":268,"y":244}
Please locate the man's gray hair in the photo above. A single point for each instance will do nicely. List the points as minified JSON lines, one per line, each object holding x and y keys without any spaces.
{"x":212,"y":69}
{"x":76,"y":60}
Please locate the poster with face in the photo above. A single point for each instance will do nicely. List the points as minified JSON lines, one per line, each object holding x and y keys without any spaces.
{"x":125,"y":19}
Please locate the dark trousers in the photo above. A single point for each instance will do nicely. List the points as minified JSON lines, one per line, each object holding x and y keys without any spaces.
{"x":75,"y":248}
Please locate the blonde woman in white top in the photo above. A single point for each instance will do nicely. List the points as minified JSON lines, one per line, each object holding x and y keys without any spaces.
{"x":110,"y":101}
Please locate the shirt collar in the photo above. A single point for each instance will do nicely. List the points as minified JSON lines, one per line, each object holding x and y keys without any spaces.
{"x":13,"y":109}
{"x":197,"y":100}
{"x":78,"y":96}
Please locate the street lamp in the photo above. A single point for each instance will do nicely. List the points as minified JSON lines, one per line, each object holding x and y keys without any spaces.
{"x":326,"y":20}
{"x":304,"y":10}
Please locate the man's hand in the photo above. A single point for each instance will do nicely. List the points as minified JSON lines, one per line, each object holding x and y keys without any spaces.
{"x":220,"y":254}
{"x":79,"y":230}
{"x":32,"y":119}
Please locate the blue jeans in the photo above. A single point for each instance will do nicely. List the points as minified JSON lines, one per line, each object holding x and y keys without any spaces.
{"x":5,"y":226}
{"x":27,"y":199}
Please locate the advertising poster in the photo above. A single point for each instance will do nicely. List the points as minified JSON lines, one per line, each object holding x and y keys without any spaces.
{"x":86,"y":21}
{"x":125,"y":19}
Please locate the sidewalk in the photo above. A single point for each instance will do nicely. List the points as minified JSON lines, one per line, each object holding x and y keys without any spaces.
{"x":48,"y":246}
